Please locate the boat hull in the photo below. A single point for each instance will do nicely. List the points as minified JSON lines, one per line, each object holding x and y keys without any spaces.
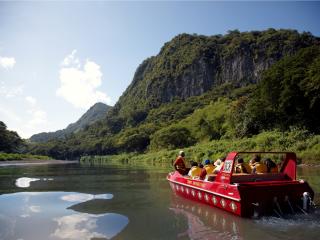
{"x":205,"y":192}
{"x":246,"y":199}
{"x":248,"y":195}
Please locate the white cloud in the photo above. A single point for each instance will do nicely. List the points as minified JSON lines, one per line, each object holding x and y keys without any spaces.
{"x":7,"y":62}
{"x":9,"y":114}
{"x":38,"y":121}
{"x":31,"y":100}
{"x":16,"y":107}
{"x":71,"y":60}
{"x":79,"y":86}
{"x":10,"y":91}
{"x":39,"y":117}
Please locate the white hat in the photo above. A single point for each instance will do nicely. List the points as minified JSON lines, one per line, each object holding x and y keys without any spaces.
{"x":181,"y":152}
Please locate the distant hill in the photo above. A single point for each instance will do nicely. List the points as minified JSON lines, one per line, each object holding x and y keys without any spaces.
{"x":97,"y":112}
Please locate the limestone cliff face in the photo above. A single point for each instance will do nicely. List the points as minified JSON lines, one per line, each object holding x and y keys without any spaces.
{"x":190,"y":65}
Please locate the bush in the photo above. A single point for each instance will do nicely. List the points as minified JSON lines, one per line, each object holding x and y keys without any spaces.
{"x":171,"y":138}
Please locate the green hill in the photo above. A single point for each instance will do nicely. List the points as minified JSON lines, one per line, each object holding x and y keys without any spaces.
{"x":200,"y":89}
{"x":97,"y":112}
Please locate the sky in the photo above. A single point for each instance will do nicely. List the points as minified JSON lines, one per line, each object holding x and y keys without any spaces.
{"x":59,"y":58}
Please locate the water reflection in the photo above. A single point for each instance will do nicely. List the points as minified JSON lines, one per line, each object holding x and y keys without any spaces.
{"x":21,"y":212}
{"x":69,"y":208}
{"x":24,"y":182}
{"x":205,"y":222}
{"x":85,"y":226}
{"x":83,"y":197}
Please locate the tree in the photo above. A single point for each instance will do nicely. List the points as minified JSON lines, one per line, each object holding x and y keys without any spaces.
{"x":10,"y":141}
{"x":288,"y":94}
{"x":171,"y":138}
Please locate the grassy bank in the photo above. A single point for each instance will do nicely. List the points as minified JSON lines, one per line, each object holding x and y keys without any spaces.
{"x":306,"y":146}
{"x":18,"y":156}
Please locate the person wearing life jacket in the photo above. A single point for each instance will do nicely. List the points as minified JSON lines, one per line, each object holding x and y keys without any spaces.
{"x":179,"y":164}
{"x":219,"y":165}
{"x":271,"y":166}
{"x":208,"y":166}
{"x":195,"y":171}
{"x":257,"y":166}
{"x":203,"y":172}
{"x":242,"y":167}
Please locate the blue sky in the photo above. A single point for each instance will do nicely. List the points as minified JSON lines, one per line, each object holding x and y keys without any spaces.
{"x":58,"y":58}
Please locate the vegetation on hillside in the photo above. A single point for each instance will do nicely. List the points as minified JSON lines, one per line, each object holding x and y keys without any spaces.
{"x":288,"y":95}
{"x":12,"y":146}
{"x":10,"y":141}
{"x":97,"y":112}
{"x":280,"y":107}
{"x":304,"y":144}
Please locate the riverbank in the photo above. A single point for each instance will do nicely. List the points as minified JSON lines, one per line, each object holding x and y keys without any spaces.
{"x":34,"y":162}
{"x":307,"y":148}
{"x":21,"y":156}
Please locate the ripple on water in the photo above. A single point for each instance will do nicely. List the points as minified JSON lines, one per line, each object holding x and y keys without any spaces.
{"x":300,"y":220}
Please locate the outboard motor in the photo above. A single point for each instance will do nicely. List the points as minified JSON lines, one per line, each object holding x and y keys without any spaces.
{"x":306,"y":202}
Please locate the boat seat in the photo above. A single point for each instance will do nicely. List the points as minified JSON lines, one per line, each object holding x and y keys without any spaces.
{"x":242,"y":177}
{"x":211,"y":177}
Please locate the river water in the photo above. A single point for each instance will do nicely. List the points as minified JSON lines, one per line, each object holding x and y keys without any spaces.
{"x":75,"y":201}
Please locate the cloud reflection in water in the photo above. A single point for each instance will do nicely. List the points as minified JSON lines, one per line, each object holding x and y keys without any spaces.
{"x":20,"y":212}
{"x":24,"y":182}
{"x":85,"y":226}
{"x":82,"y":197}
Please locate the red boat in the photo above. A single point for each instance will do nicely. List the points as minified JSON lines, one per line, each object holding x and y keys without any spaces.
{"x":249,"y":195}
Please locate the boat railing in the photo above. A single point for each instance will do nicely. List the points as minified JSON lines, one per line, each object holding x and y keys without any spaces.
{"x":287,"y":170}
{"x":243,"y":177}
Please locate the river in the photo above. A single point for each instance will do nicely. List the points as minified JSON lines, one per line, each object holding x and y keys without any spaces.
{"x":77,"y":201}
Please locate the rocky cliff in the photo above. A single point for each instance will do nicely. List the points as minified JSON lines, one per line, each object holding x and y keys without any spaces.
{"x":190,"y":65}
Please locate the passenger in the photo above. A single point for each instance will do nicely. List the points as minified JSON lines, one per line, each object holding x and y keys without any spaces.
{"x":203,"y":172}
{"x":258,"y":167}
{"x":253,"y":160}
{"x":219,"y":165}
{"x":208,"y":166}
{"x":179,"y":164}
{"x":271,"y":166}
{"x":195,"y":170}
{"x":223,"y":159}
{"x":243,"y":167}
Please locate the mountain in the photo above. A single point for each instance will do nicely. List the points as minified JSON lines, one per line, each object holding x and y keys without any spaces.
{"x":190,"y":65}
{"x":97,"y":112}
{"x":203,"y":88}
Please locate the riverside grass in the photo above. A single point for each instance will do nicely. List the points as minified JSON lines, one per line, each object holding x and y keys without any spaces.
{"x":18,"y":156}
{"x":305,"y":145}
